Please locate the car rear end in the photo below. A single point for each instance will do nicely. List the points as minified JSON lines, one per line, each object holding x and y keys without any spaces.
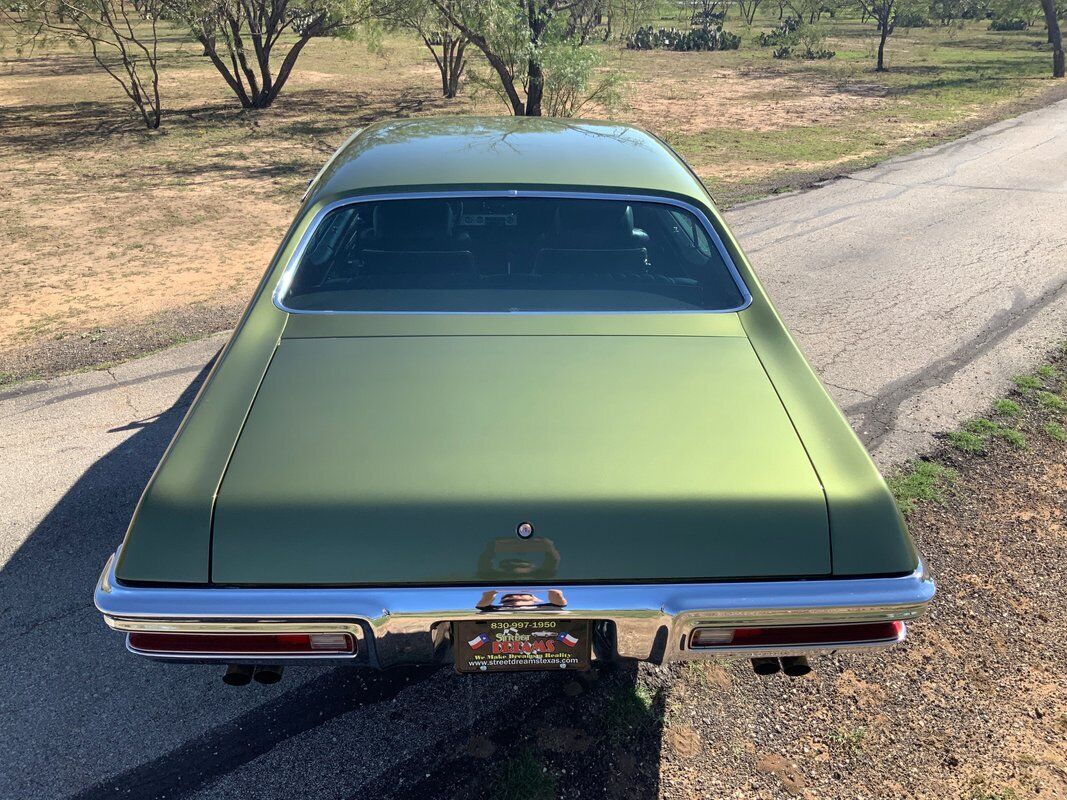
{"x":519,"y":429}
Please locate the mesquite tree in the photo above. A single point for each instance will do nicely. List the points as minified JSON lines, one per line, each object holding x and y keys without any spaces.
{"x":1055,"y":38}
{"x":243,"y":38}
{"x":121,"y":36}
{"x":532,"y":47}
{"x":748,"y":9}
{"x":446,"y":43}
{"x":885,"y":13}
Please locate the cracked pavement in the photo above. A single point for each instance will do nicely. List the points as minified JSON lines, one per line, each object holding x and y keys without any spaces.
{"x":919,"y":287}
{"x":916,"y":289}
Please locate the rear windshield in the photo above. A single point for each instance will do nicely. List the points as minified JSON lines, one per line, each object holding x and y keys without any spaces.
{"x":511,"y":254}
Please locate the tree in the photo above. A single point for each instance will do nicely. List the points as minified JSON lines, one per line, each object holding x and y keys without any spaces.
{"x":1054,"y":37}
{"x":446,"y":43}
{"x":532,"y":47}
{"x":122,"y":37}
{"x":748,"y":9}
{"x":241,"y":37}
{"x":885,"y":14}
{"x":702,"y":13}
{"x":630,"y":14}
{"x":812,"y":10}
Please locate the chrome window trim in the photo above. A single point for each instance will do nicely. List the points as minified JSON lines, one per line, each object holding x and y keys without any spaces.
{"x":286,"y":279}
{"x":652,"y":621}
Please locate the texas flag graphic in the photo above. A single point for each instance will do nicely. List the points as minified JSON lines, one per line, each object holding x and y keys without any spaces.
{"x":567,"y":639}
{"x":479,"y":640}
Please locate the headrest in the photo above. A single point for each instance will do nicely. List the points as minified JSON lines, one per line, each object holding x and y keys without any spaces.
{"x":413,"y":219}
{"x":594,"y":218}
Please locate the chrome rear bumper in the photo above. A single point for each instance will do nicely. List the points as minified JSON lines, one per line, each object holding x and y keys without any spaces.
{"x":648,"y":622}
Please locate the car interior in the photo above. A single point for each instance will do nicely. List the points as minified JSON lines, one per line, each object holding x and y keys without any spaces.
{"x":511,"y":254}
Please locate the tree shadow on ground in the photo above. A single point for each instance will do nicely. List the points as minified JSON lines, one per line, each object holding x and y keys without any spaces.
{"x":320,"y":118}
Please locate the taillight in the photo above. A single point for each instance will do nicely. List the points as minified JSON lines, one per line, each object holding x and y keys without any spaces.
{"x":798,"y":635}
{"x":244,"y":643}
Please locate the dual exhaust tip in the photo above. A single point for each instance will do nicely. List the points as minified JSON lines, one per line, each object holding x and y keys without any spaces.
{"x":793,"y":666}
{"x":243,"y":674}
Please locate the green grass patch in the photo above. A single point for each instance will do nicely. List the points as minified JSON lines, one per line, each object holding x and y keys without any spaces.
{"x":925,"y":481}
{"x":1051,"y":401}
{"x":1054,"y":430}
{"x":523,"y":778}
{"x":1007,"y":408}
{"x":850,"y":739}
{"x":1026,"y":383}
{"x":982,"y":427}
{"x":967,"y":442}
{"x":629,"y":712}
{"x":975,"y":436}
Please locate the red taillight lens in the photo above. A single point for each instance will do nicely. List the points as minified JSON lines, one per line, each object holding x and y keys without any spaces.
{"x":244,"y":643}
{"x":797,"y":635}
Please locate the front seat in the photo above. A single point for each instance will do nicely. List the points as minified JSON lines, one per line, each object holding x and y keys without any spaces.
{"x":414,"y":237}
{"x":592,"y":237}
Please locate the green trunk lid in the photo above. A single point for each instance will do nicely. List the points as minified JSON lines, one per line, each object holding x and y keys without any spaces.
{"x":412,"y":460}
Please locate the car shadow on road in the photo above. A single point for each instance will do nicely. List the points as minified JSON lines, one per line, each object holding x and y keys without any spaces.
{"x":101,"y":723}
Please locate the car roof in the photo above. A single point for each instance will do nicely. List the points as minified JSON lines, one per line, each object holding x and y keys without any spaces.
{"x":428,"y":153}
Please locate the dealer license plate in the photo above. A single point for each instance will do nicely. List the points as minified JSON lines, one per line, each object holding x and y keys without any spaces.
{"x":501,"y":645}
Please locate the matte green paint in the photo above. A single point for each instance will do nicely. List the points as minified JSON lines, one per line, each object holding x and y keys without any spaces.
{"x":482,"y":151}
{"x":710,"y":484}
{"x":407,"y":459}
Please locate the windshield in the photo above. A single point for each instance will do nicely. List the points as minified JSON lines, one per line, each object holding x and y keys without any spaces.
{"x":500,"y":254}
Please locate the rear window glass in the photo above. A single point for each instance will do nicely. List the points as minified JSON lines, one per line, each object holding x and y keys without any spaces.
{"x":511,"y":254}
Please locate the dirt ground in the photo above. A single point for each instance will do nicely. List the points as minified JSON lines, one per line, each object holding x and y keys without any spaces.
{"x":116,"y":241}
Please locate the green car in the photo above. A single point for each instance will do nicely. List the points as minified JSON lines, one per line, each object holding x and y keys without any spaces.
{"x":511,"y":397}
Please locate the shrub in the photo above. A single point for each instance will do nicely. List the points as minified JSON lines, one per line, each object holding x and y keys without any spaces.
{"x":807,"y":52}
{"x":795,"y":40}
{"x":705,"y":19}
{"x":1008,"y":25}
{"x":912,"y":19}
{"x":782,"y":36}
{"x":703,"y":39}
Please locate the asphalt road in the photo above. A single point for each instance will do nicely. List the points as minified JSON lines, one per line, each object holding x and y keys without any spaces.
{"x":916,"y":288}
